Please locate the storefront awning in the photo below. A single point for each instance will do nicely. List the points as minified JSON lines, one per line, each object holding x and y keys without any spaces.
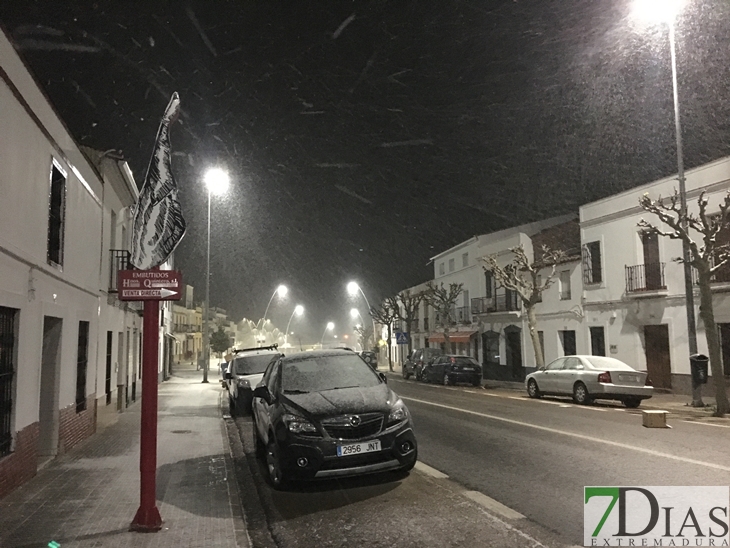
{"x":454,"y":337}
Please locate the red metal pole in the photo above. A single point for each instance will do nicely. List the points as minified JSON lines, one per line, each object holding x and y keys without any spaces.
{"x":147,"y":519}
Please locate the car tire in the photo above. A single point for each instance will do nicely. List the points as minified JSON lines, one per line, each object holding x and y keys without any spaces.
{"x":243,"y":406}
{"x":632,"y":403}
{"x":231,"y":406}
{"x":447,"y":381}
{"x":580,"y":394}
{"x":275,"y":474}
{"x":532,"y":389}
{"x":406,"y":374}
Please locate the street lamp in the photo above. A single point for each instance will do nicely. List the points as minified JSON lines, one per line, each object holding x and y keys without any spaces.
{"x":298,"y":310}
{"x":354,"y":313}
{"x":330,"y":326}
{"x":216,"y":182}
{"x":353,"y":289}
{"x":282,"y":290}
{"x":666,"y":11}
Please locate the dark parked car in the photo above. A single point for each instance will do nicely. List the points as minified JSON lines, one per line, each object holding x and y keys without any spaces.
{"x":418,"y":359}
{"x":451,"y":369}
{"x":244,"y":372}
{"x":371,"y":358}
{"x":326,"y":414}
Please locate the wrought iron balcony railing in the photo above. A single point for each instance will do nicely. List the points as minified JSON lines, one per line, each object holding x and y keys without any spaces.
{"x":645,"y":277}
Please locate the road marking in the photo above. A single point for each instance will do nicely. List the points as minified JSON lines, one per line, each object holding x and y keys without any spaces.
{"x":493,"y":505}
{"x":576,"y":436}
{"x":708,"y":424}
{"x":426,"y":469}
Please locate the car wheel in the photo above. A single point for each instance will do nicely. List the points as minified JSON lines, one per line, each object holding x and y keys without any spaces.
{"x":243,"y":406}
{"x":632,"y":403}
{"x":273,"y":466}
{"x":406,"y":374}
{"x":447,"y":381}
{"x":532,"y":390}
{"x":231,"y":406}
{"x":580,"y":394}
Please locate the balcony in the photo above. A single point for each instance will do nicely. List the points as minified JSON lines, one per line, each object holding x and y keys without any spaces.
{"x":501,"y":302}
{"x":119,"y":260}
{"x":645,"y":277}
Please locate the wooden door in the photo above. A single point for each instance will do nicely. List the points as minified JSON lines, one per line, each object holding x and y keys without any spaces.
{"x":658,"y":363}
{"x":652,"y":266}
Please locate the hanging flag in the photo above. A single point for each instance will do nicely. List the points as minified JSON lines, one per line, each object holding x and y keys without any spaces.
{"x":158,"y":221}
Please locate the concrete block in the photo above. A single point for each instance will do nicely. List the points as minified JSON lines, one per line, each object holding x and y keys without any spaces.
{"x":654,"y":418}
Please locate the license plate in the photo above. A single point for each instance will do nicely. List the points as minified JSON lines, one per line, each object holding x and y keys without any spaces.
{"x":628,"y":378}
{"x":358,"y":448}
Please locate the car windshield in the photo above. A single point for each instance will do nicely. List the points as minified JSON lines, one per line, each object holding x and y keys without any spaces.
{"x":320,"y":373}
{"x":252,"y":365}
{"x":602,"y":362}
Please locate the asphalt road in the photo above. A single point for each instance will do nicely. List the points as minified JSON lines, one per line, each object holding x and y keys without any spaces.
{"x":515,"y":471}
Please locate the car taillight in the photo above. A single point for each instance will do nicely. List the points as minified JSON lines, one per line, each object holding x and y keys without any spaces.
{"x":604,"y":377}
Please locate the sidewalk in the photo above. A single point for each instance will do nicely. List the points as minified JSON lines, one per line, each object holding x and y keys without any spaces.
{"x":89,"y":496}
{"x":677,"y":404}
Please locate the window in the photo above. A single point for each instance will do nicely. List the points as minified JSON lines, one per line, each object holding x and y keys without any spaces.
{"x":598,"y":341}
{"x":567,"y":339}
{"x":556,"y":365}
{"x":56,"y":215}
{"x":489,"y":279}
{"x":7,"y":372}
{"x":452,"y":265}
{"x":565,"y":285}
{"x":465,"y":259}
{"x":82,"y":361}
{"x":592,"y":263}
{"x":442,"y":271}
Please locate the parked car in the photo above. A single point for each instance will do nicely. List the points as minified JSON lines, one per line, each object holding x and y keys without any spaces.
{"x":371,"y":358}
{"x":327,"y":414}
{"x":418,"y":359}
{"x":452,"y":369}
{"x":588,"y":378}
{"x":244,"y":372}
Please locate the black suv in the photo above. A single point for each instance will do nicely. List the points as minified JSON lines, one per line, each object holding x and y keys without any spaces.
{"x":327,"y":414}
{"x":418,"y":360}
{"x":450,"y":369}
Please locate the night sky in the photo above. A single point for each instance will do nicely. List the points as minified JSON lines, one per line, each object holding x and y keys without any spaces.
{"x":363,"y":138}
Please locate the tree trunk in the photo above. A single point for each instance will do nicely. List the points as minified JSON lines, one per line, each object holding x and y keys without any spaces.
{"x":534,"y":335}
{"x":390,"y":348}
{"x":713,"y":343}
{"x":410,"y":344}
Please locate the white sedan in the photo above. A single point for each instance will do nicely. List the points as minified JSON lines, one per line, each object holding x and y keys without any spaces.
{"x":587,"y":378}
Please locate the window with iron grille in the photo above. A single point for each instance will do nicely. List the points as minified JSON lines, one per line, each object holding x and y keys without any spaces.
{"x":592,"y":263}
{"x":82,"y":362}
{"x":7,"y":371}
{"x":56,"y":215}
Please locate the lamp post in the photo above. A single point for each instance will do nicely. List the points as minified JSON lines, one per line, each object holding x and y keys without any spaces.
{"x":216,"y":182}
{"x":282,"y":290}
{"x":353,"y":289}
{"x":665,"y":11}
{"x":330,"y":326}
{"x":298,"y":310}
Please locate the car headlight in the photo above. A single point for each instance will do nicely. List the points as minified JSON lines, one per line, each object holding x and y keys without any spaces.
{"x":398,"y":412}
{"x":243,"y":383}
{"x":299,"y":425}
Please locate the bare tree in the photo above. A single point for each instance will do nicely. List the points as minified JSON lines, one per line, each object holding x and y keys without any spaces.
{"x":443,"y":299}
{"x":707,"y":256}
{"x":527,"y":279}
{"x":407,"y":311}
{"x":385,"y":316}
{"x":365,"y":333}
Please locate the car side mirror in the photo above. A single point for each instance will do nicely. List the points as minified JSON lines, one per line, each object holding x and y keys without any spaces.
{"x":228,"y":375}
{"x":262,"y":392}
{"x":383,"y":377}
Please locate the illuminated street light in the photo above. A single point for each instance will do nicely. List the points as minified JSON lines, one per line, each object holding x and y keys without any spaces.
{"x":282,"y":290}
{"x":666,"y":11}
{"x":354,"y":313}
{"x":353,"y":288}
{"x":330,"y":326}
{"x":298,"y":310}
{"x":216,"y":183}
